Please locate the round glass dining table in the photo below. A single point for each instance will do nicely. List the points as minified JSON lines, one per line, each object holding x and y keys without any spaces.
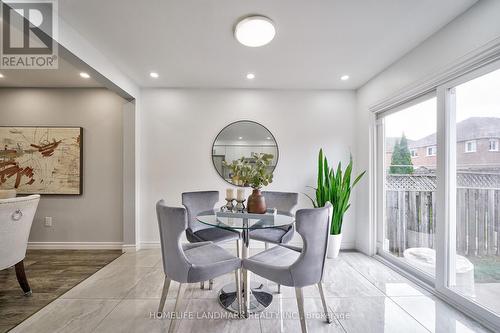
{"x":256,"y":298}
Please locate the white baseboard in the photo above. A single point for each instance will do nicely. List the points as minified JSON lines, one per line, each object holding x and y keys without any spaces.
{"x":253,"y":245}
{"x":143,"y":245}
{"x":348,"y":246}
{"x":149,"y":245}
{"x":129,"y":248}
{"x":75,"y":245}
{"x":226,"y":245}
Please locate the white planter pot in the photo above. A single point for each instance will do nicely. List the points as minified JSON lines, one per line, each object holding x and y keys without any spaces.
{"x":334,"y":242}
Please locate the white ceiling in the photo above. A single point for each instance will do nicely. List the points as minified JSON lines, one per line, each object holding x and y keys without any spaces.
{"x":67,"y":75}
{"x":190,"y":43}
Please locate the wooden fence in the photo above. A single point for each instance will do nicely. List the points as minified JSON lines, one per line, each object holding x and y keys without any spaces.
{"x":411,"y":220}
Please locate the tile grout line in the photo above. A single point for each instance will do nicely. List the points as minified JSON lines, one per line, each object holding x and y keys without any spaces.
{"x":337,"y":319}
{"x":119,"y":302}
{"x":106,"y":316}
{"x":389,"y":297}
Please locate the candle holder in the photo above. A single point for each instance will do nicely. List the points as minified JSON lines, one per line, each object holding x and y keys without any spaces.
{"x":240,"y":206}
{"x":229,"y":206}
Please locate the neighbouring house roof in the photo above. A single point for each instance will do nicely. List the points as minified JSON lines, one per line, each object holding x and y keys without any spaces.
{"x":469,"y":129}
{"x":427,"y":182}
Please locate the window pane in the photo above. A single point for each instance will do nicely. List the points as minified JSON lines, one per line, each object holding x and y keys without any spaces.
{"x":476,"y":271}
{"x":410,"y":185}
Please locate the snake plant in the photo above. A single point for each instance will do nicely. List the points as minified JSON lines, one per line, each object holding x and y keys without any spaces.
{"x":334,"y":187}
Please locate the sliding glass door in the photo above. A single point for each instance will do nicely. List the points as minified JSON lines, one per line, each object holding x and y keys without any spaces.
{"x":474,"y":172}
{"x":409,"y":184}
{"x":438,"y":189}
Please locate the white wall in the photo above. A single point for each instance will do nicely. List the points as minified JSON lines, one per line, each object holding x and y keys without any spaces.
{"x":179,"y":126}
{"x":476,"y":27}
{"x":95,"y":216}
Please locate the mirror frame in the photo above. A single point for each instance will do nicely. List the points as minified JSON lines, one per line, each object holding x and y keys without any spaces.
{"x":239,"y":121}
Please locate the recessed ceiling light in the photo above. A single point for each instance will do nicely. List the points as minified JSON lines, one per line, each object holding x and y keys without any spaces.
{"x":269,"y":138}
{"x":344,"y":77}
{"x":85,"y":75}
{"x":154,"y":75}
{"x":240,"y":138}
{"x":1,"y":76}
{"x":250,"y":76}
{"x":255,"y":31}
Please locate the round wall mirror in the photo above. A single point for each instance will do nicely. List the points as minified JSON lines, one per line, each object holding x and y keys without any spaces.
{"x":242,"y":139}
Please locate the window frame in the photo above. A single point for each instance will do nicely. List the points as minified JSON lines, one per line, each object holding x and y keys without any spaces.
{"x":433,"y":151}
{"x":474,"y":146}
{"x":380,"y":201}
{"x":446,"y":173}
{"x":496,"y":141}
{"x":445,"y":236}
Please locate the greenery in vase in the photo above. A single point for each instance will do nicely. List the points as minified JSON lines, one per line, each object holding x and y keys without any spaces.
{"x":334,"y":186}
{"x":252,"y":172}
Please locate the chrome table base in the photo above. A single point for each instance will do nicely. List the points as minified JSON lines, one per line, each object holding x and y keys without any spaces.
{"x":260,"y":298}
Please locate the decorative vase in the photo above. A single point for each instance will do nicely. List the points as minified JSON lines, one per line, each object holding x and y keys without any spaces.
{"x":334,"y":242}
{"x":256,"y":202}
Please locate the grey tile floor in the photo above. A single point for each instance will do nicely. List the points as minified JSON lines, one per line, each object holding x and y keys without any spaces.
{"x":363,"y":294}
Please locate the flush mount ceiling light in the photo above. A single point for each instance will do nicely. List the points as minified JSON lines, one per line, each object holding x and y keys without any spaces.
{"x":85,"y":75}
{"x":154,"y":75}
{"x":254,"y":31}
{"x":1,"y":76}
{"x":344,"y":77}
{"x":240,"y":138}
{"x":250,"y":76}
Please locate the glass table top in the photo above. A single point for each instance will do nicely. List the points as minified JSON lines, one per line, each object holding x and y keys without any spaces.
{"x":209,"y":218}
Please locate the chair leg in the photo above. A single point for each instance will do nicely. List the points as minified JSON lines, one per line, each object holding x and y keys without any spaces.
{"x":177,"y":309}
{"x":210,"y":284}
{"x":300,"y":304}
{"x":279,"y":288}
{"x":166,"y":286}
{"x":323,"y":300}
{"x":238,"y":248}
{"x":21,"y":278}
{"x":202,"y":285}
{"x":266,"y":245}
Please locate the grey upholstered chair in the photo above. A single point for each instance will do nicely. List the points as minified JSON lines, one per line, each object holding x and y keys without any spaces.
{"x":295,"y":267}
{"x":189,"y":263}
{"x":284,"y":202}
{"x":195,"y":203}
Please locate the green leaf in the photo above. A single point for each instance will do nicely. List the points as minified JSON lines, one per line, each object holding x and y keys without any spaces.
{"x":334,"y":186}
{"x":358,"y":178}
{"x":312,"y":200}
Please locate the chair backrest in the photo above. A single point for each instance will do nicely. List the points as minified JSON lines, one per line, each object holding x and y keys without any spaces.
{"x":284,"y":202}
{"x":16,"y":218}
{"x":313,"y":226}
{"x":197,"y":202}
{"x":172,"y":222}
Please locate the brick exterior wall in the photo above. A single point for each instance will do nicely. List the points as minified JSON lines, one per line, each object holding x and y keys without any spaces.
{"x":481,"y":158}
